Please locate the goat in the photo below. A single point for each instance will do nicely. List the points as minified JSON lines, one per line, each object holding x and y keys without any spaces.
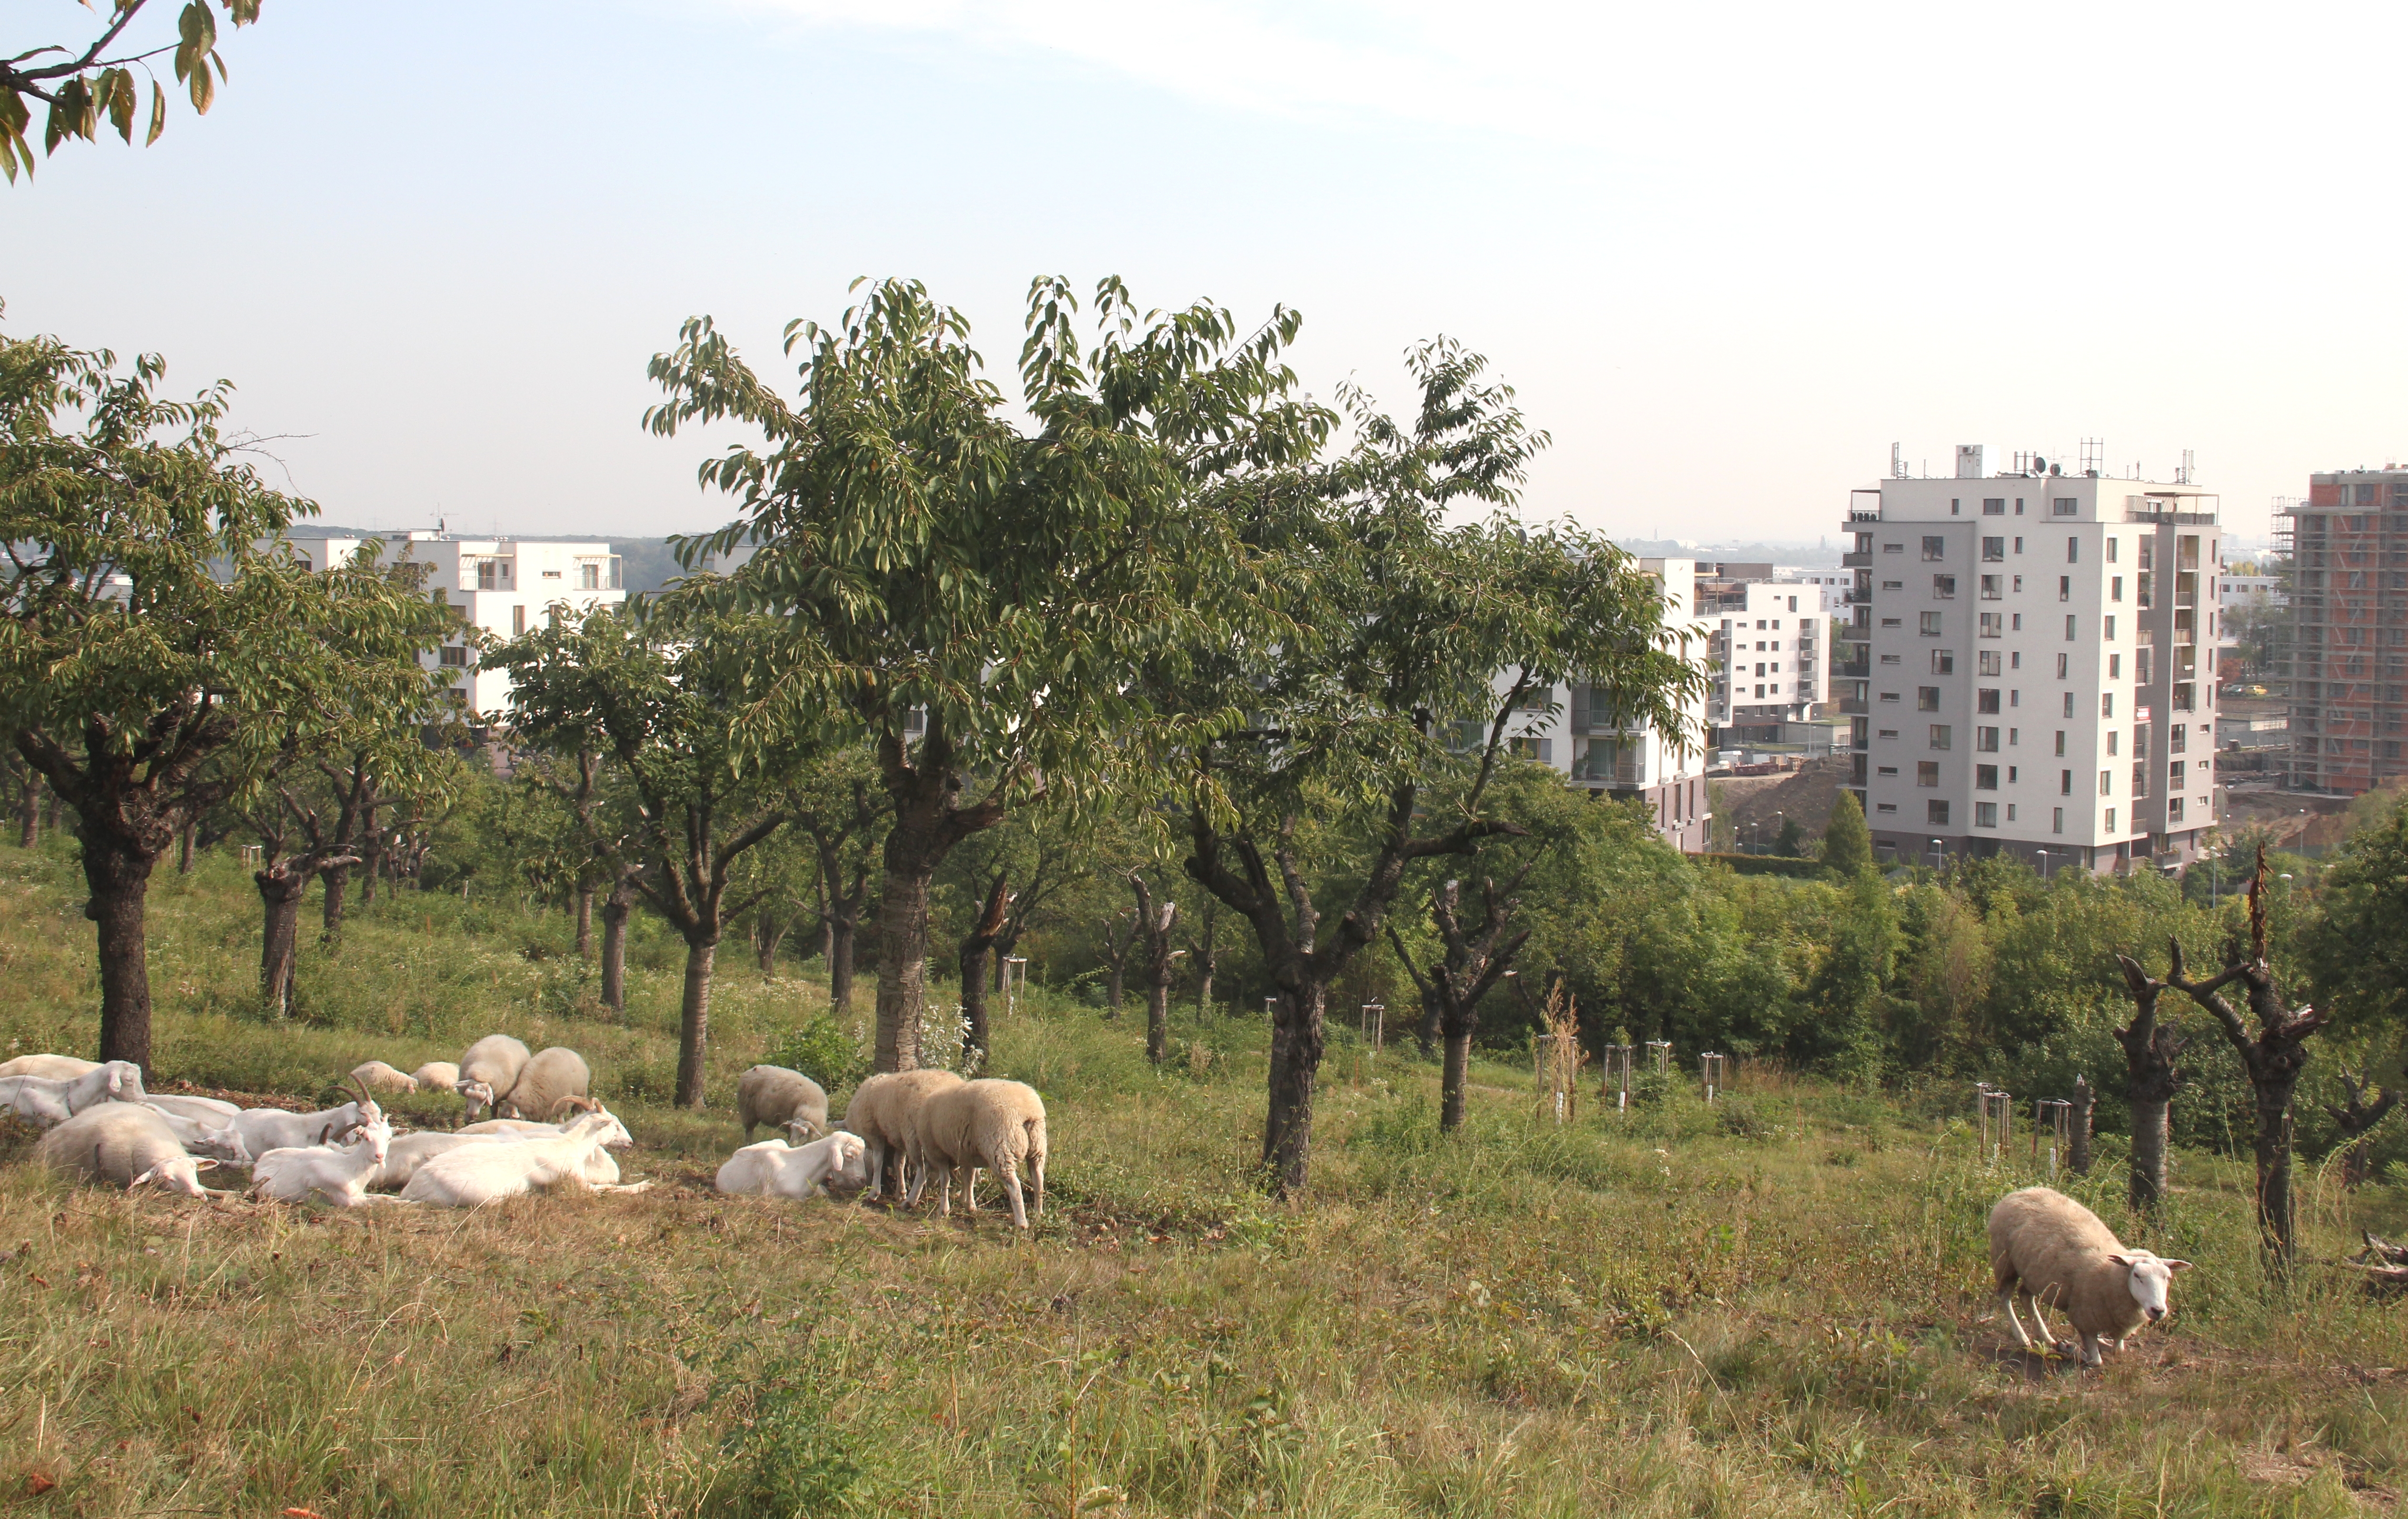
{"x":272,"y":1129}
{"x":37,"y":1097}
{"x":341,"y":1174}
{"x":474,"y":1175}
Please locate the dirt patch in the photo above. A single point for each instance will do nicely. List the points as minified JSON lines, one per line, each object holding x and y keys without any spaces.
{"x":1759,"y":804}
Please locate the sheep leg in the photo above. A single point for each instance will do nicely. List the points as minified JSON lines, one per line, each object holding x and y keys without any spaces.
{"x":876,"y":1153}
{"x":1011,"y":1175}
{"x":2089,"y":1351}
{"x":1037,"y":1168}
{"x":2008,"y":1285}
{"x":2056,"y":1340}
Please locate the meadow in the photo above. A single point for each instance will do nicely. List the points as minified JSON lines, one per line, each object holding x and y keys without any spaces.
{"x":1776,"y":1305}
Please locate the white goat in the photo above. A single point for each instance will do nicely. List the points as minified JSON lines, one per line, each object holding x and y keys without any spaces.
{"x":221,"y":1142}
{"x":409,"y":1151}
{"x":120,"y":1081}
{"x":339,"y":1174}
{"x":58,"y":1067}
{"x":474,"y":1175}
{"x":772,"y":1169}
{"x":272,"y":1129}
{"x":36,"y":1097}
{"x":207,"y":1110}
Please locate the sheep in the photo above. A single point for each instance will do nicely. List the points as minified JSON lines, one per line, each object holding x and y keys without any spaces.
{"x":339,"y":1174}
{"x":272,"y":1129}
{"x":57,"y":1068}
{"x":780,"y":1097}
{"x":221,"y":1142}
{"x":475,"y":1174}
{"x":124,"y":1143}
{"x":772,"y":1169}
{"x":378,"y":1077}
{"x":437,"y":1076}
{"x":489,"y":1071}
{"x":2045,"y":1245}
{"x":37,"y":1097}
{"x":545,"y":1081}
{"x":117,"y":1081}
{"x":880,"y":1112}
{"x":995,"y":1123}
{"x":207,"y":1110}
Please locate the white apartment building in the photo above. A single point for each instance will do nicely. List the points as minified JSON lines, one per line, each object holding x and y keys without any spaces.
{"x":1767,"y":640}
{"x":498,"y":586}
{"x":2024,"y":671}
{"x":1578,"y":733}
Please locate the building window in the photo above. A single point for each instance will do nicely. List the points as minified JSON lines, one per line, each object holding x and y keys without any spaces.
{"x":2174,"y":809}
{"x":589,"y":577}
{"x":1889,"y":695}
{"x":1887,"y":769}
{"x":1993,"y":551}
{"x":1885,"y":806}
{"x":2069,"y":704}
{"x":1927,"y":773}
{"x":1994,"y":505}
{"x":1991,"y":626}
{"x":1985,"y":778}
{"x":2174,"y":777}
{"x":1893,"y":548}
{"x":1986,"y":662}
{"x":518,"y":620}
{"x":1993,"y":587}
{"x":1985,"y":814}
{"x":1935,"y":548}
{"x":1986,"y":741}
{"x":1985,"y":700}
{"x":1930,"y":624}
{"x":2113,"y":738}
{"x":2115,"y":583}
{"x":2106,"y":782}
{"x":1936,"y":813}
{"x":2064,"y":506}
{"x":1941,"y":735}
{"x":2106,"y":703}
{"x":2060,"y":672}
{"x":2070,"y":634}
{"x":1944,"y":588}
{"x":1893,"y":621}
{"x":2065,"y":783}
{"x":2111,"y":629}
{"x":2178,"y":738}
{"x":2115,"y":667}
{"x":1943,"y":662}
{"x":1926,"y":698}
{"x":2019,"y":545}
{"x":2065,"y":588}
{"x":2057,"y":822}
{"x":454,"y":657}
{"x":2111,"y":820}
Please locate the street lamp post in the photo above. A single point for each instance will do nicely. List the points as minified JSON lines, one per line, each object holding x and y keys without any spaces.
{"x":1939,"y":855}
{"x":2043,"y":865}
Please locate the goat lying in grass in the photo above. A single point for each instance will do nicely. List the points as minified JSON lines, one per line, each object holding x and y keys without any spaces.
{"x":475,"y":1174}
{"x":341,"y":1174}
{"x":772,"y":1169}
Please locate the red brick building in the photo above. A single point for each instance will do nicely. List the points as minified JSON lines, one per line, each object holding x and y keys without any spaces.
{"x":2349,"y":609}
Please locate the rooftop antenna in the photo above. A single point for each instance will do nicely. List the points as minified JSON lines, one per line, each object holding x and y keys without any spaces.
{"x":2094,"y":450}
{"x":2183,"y":475}
{"x":1896,"y":462}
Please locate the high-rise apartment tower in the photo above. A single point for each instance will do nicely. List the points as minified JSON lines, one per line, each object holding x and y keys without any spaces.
{"x":2349,"y":630}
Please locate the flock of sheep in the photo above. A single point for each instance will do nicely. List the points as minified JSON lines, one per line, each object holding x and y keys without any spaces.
{"x":900,"y":1131}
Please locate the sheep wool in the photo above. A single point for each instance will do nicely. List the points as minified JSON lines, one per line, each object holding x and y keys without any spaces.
{"x":882,"y":1112}
{"x":437,"y":1076}
{"x":545,"y":1081}
{"x":2048,"y":1248}
{"x":378,"y":1077}
{"x":996,"y":1125}
{"x":489,"y":1069}
{"x":125,"y":1144}
{"x":780,"y":1097}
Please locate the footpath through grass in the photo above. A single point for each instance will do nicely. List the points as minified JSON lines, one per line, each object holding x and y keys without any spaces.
{"x":1778,"y":1306}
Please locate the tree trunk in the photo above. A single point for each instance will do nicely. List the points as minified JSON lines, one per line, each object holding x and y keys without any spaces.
{"x":2151,"y":1126}
{"x":839,"y":953}
{"x":616,"y":910}
{"x":584,"y":919}
{"x":2150,"y":1081}
{"x":768,"y":934}
{"x":185,"y":849}
{"x":339,"y":891}
{"x":1450,"y":1084}
{"x":119,"y":879}
{"x":2271,"y":1141}
{"x":2079,"y":1160}
{"x":1298,"y":1040}
{"x":281,"y":891}
{"x":975,"y":955}
{"x":693,"y":1022}
{"x":1157,"y":1019}
{"x":902,"y":966}
{"x":1429,"y":1034}
{"x":29,"y":810}
{"x":1115,"y":987}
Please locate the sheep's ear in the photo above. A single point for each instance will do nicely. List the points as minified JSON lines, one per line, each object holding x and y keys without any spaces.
{"x":144,"y":1180}
{"x":2121,"y":1260}
{"x":2177,"y":1265}
{"x":204,"y":1163}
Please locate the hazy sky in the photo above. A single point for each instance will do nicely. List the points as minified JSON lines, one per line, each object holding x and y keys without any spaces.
{"x":1727,"y":254}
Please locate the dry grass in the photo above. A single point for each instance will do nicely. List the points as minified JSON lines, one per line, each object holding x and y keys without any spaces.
{"x":1772,"y":1307}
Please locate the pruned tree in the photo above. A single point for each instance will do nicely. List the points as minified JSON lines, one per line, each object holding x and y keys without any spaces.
{"x":158,"y":648}
{"x":2356,"y":1118}
{"x":662,"y":696}
{"x":2272,"y":1056}
{"x":1204,"y":952}
{"x":977,"y":946}
{"x":85,"y":85}
{"x":283,"y":880}
{"x":1152,"y":924}
{"x":2151,"y":1079}
{"x":1406,"y":649}
{"x":1477,"y":955}
{"x":972,"y":597}
{"x":1113,"y":947}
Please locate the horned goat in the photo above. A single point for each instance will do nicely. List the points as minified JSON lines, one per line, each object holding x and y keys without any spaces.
{"x":474,"y":1175}
{"x":338,"y":1173}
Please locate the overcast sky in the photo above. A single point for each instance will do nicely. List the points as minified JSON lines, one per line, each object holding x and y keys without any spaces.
{"x":1726,"y":255}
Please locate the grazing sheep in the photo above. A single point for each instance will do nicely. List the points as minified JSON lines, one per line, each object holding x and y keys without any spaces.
{"x":272,"y":1129}
{"x":338,"y":1174}
{"x":437,"y":1076}
{"x":882,"y":1110}
{"x":548,"y":1079}
{"x":474,"y":1175}
{"x":986,"y":1123}
{"x":780,"y":1097}
{"x":772,"y":1169}
{"x":200,"y":1109}
{"x":217,"y":1141}
{"x":124,"y":1143}
{"x":36,"y":1097}
{"x":489,"y":1071}
{"x":2048,"y":1247}
{"x":378,"y":1077}
{"x":57,"y":1068}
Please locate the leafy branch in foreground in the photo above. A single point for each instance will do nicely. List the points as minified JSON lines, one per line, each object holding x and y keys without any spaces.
{"x":83,"y":87}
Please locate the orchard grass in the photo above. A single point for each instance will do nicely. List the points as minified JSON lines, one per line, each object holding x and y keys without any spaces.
{"x":1776,"y":1306}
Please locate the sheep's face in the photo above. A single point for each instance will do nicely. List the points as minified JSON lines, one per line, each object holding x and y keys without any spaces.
{"x":182,"y":1174}
{"x":2150,"y":1276}
{"x":480,"y":1095}
{"x":849,"y":1172}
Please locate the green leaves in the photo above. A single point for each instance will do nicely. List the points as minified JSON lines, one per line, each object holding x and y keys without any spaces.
{"x":82,"y":89}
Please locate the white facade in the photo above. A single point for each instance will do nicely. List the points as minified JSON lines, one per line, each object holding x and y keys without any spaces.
{"x":2031,"y":668}
{"x":1768,"y":641}
{"x":498,"y":586}
{"x":2239,"y":589}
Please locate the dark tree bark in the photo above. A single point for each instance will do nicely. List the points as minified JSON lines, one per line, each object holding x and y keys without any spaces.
{"x":929,"y":822}
{"x":977,"y":947}
{"x":584,"y":919}
{"x":354,"y":789}
{"x":29,"y":804}
{"x":694,"y":1020}
{"x":2273,"y":1057}
{"x":185,"y":849}
{"x":1475,"y":957}
{"x":837,"y":840}
{"x":118,"y":879}
{"x":2151,"y":1079}
{"x":2354,"y":1120}
{"x":2078,"y":1161}
{"x":768,"y":932}
{"x":1204,"y":953}
{"x":618,"y":905}
{"x":1120,"y":936}
{"x":1057,"y":869}
{"x":1152,"y":924}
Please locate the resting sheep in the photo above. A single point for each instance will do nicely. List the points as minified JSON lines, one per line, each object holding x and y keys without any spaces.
{"x":881,"y":1112}
{"x":489,"y":1071}
{"x":437,"y":1076}
{"x":781,"y":1098}
{"x":36,"y":1097}
{"x":338,"y":1173}
{"x":772,"y":1169}
{"x":987,"y":1123}
{"x":57,"y":1068}
{"x":124,"y":1143}
{"x":2048,"y":1247}
{"x":548,"y":1079}
{"x":378,"y":1077}
{"x":474,"y":1175}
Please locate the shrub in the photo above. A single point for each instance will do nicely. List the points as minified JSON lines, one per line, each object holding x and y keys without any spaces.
{"x":823,"y":1050}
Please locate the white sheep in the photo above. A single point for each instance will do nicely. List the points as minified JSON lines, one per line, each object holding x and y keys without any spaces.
{"x":272,"y":1129}
{"x":378,"y":1077}
{"x":882,"y":1110}
{"x":548,"y":1079}
{"x":58,"y":1067}
{"x":437,"y":1076}
{"x":341,"y":1174}
{"x":987,"y":1123}
{"x":207,"y":1110}
{"x":780,"y":1097}
{"x":489,"y":1071}
{"x":474,"y":1175}
{"x":2050,"y":1248}
{"x":40,"y":1098}
{"x":124,"y":1143}
{"x":773,"y":1169}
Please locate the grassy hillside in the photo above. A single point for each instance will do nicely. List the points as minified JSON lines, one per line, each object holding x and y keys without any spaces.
{"x":1776,"y":1306}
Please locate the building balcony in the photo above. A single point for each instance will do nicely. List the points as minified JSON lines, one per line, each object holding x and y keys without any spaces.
{"x":1861,"y":670}
{"x":1856,"y":598}
{"x":1853,"y":707}
{"x":1857,"y":559}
